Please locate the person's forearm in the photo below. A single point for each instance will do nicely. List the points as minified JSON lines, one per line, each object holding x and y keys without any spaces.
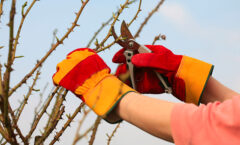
{"x":215,"y":91}
{"x":150,"y":114}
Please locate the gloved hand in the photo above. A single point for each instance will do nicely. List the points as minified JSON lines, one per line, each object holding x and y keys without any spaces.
{"x":187,"y":76}
{"x":85,"y":74}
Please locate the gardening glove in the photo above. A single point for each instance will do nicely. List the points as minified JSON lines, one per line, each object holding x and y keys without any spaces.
{"x":187,"y":76}
{"x":85,"y":74}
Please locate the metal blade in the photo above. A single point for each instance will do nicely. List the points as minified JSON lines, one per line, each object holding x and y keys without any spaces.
{"x":128,"y":54}
{"x":120,"y":42}
{"x":125,"y":31}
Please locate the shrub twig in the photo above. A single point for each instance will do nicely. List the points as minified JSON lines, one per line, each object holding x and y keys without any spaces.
{"x":138,"y":11}
{"x":24,"y":15}
{"x":148,"y":17}
{"x":59,"y":41}
{"x":6,"y":77}
{"x":77,"y":135}
{"x":56,"y":108}
{"x":112,"y":134}
{"x":35,"y":123}
{"x":15,"y":126}
{"x":158,"y":37}
{"x":53,"y":125}
{"x":101,"y":47}
{"x":122,"y":7}
{"x":98,"y":31}
{"x":25,"y":100}
{"x":70,"y":118}
{"x":94,"y":130}
{"x":1,"y":8}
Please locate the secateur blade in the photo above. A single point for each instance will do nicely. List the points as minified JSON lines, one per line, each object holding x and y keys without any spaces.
{"x":126,"y":39}
{"x":128,"y":53}
{"x":131,"y":48}
{"x":117,"y":39}
{"x":125,"y":31}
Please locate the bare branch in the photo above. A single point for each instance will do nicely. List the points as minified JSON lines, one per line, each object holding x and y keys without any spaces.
{"x":6,"y":85}
{"x":16,"y":126}
{"x":53,"y":125}
{"x":113,"y":133}
{"x":83,"y":135}
{"x":158,"y":37}
{"x":56,"y":108}
{"x":94,"y":130}
{"x":4,"y":134}
{"x":35,"y":123}
{"x":77,"y":135}
{"x":101,"y":48}
{"x":138,"y":11}
{"x":70,"y":118}
{"x":98,"y":31}
{"x":148,"y":17}
{"x":20,"y":27}
{"x":1,"y":8}
{"x":74,"y":24}
{"x":113,"y":23}
{"x":41,"y":99}
{"x":25,"y":100}
{"x":1,"y":89}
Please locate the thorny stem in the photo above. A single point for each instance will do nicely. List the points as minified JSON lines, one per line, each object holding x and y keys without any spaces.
{"x":54,"y":123}
{"x":1,"y":9}
{"x":35,"y":123}
{"x":148,"y":17}
{"x":41,"y":98}
{"x":20,"y":28}
{"x":156,"y":38}
{"x":98,"y":31}
{"x":77,"y":135}
{"x":106,"y":23}
{"x":27,"y":96}
{"x":56,"y":107}
{"x":7,"y":121}
{"x":109,"y":45}
{"x":16,"y":126}
{"x":112,"y":43}
{"x":1,"y":89}
{"x":113,"y":23}
{"x":138,"y":11}
{"x":56,"y":115}
{"x":94,"y":130}
{"x":70,"y":118}
{"x":37,"y":111}
{"x":39,"y":63}
{"x":114,"y":131}
{"x":4,"y":134}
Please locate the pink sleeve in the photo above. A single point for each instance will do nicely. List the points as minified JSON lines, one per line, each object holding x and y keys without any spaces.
{"x":212,"y":124}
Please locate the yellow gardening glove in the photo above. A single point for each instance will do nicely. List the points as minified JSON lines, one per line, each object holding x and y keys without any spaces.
{"x":85,"y":74}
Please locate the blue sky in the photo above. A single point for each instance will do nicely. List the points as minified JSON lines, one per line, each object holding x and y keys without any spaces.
{"x":207,"y":30}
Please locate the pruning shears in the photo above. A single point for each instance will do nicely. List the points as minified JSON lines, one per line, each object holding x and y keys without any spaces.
{"x":132,"y":48}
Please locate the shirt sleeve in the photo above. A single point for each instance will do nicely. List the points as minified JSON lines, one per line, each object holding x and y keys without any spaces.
{"x":212,"y":124}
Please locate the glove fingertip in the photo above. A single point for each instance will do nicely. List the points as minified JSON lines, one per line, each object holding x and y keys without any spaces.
{"x":81,"y":49}
{"x":142,"y":60}
{"x":158,"y":49}
{"x":119,"y":57}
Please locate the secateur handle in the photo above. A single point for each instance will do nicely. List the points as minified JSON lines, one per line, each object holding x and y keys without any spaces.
{"x":143,"y":49}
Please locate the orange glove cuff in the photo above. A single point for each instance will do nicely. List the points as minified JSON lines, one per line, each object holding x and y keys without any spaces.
{"x":105,"y":95}
{"x":195,"y":74}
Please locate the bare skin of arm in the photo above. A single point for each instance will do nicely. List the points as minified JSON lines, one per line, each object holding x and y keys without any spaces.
{"x":149,"y":114}
{"x":154,"y":115}
{"x":215,"y":91}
